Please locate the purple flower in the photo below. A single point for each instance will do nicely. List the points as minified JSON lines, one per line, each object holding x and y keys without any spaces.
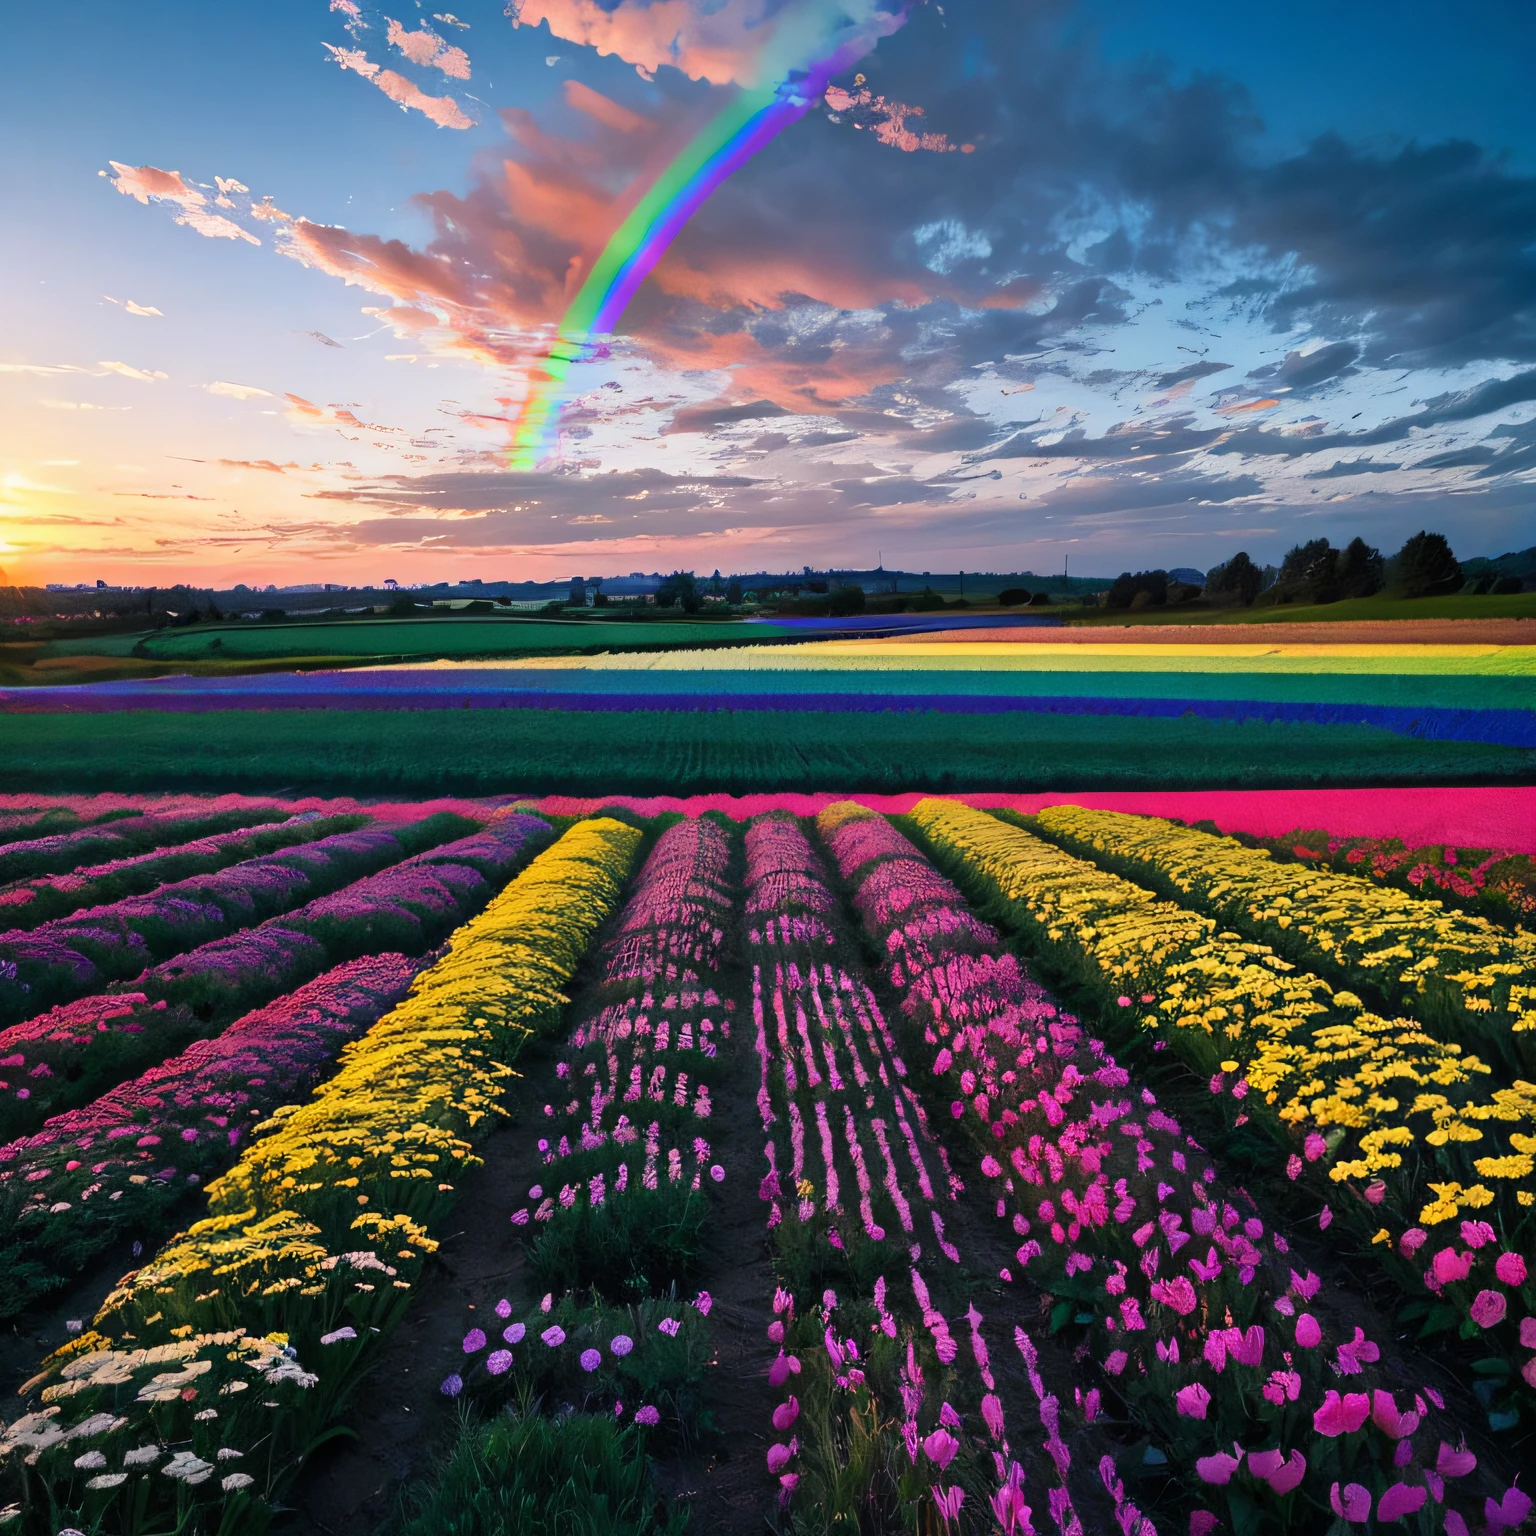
{"x":591,"y":1359}
{"x":452,"y":1385}
{"x":1488,"y":1307}
{"x":647,"y":1415}
{"x":1192,"y":1401}
{"x":499,"y":1362}
{"x":554,"y":1336}
{"x":669,"y":1326}
{"x":514,"y":1333}
{"x":621,"y":1344}
{"x":473,"y":1340}
{"x":1355,"y":1504}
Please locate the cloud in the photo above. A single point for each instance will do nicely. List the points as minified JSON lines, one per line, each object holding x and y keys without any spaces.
{"x":145,"y":184}
{"x":741,"y":42}
{"x":705,"y":418}
{"x":129,"y":372}
{"x":131,"y":307}
{"x":888,"y":120}
{"x":443,"y":110}
{"x":428,"y":50}
{"x":237,"y":391}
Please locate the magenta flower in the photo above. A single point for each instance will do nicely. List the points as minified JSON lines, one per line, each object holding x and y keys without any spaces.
{"x":779,"y":1457}
{"x":1511,"y":1510}
{"x":1399,"y":1500}
{"x":1282,"y":1387}
{"x":1218,"y":1469}
{"x":1314,"y":1147}
{"x":503,"y":1309}
{"x":1177,"y":1293}
{"x":948,"y":1500}
{"x":1510,"y":1268}
{"x":1450,"y":1265}
{"x":648,"y":1415}
{"x":514,"y":1333}
{"x":1385,"y":1416}
{"x":1528,"y":1332}
{"x":1116,"y":1362}
{"x":1192,"y":1401}
{"x":940,"y":1448}
{"x":786,"y":1414}
{"x":779,"y":1371}
{"x":1308,"y":1334}
{"x":1272,"y":1467}
{"x":591,"y":1359}
{"x":1449,"y":1463}
{"x":621,"y":1344}
{"x":1488,"y":1308}
{"x":473,"y":1340}
{"x":1341,"y":1416}
{"x":499,"y":1362}
{"x":669,"y":1326}
{"x":1355,"y":1504}
{"x":553,"y":1336}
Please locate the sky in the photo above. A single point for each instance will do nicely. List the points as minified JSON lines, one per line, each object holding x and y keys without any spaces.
{"x":1013,"y":283}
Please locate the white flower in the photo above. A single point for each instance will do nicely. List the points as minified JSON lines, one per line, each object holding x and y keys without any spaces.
{"x":188,"y":1468}
{"x":207,"y":1413}
{"x":229,"y":1453}
{"x":92,"y":1461}
{"x":142,"y":1457}
{"x":237,"y":1480}
{"x":338,"y":1335}
{"x":106,"y":1480}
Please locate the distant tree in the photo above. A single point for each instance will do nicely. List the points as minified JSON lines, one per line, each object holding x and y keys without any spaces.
{"x":1011,"y":597}
{"x":679,"y":590}
{"x":1359,"y":570}
{"x":845,"y":601}
{"x":733,"y":591}
{"x":1143,"y":590}
{"x":1425,"y":566}
{"x":1040,"y":600}
{"x":1309,"y":573}
{"x":926,"y":601}
{"x":1236,"y":583}
{"x":1506,"y":585}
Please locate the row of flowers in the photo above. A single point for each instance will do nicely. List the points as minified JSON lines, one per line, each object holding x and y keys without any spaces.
{"x":74,"y":955}
{"x":1263,"y":1400}
{"x":116,"y":832}
{"x":1491,"y":882}
{"x":119,"y":1164}
{"x":1307,"y":1065}
{"x":1461,"y":974}
{"x":65,"y":1057}
{"x":30,"y":903}
{"x":314,"y":1238}
{"x":886,"y":1403}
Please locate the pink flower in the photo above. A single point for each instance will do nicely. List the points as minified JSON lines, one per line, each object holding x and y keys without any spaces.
{"x":669,"y":1326}
{"x":499,"y":1362}
{"x":1528,"y":1332}
{"x":1192,"y":1401}
{"x":648,"y":1415}
{"x":514,"y":1333}
{"x":1399,"y":1500}
{"x":1293,"y":1167}
{"x":1202,"y":1522}
{"x":1271,"y":1467}
{"x":1341,"y":1416}
{"x":1116,"y":1362}
{"x":1449,"y":1463}
{"x":621,"y":1344}
{"x":473,"y":1340}
{"x":1488,"y":1308}
{"x":1385,"y":1416}
{"x":1477,"y":1234}
{"x":553,"y":1336}
{"x":940,"y":1448}
{"x":1177,"y":1293}
{"x":779,"y":1457}
{"x":1450,"y":1265}
{"x":1510,"y":1268}
{"x":1314,"y":1147}
{"x":1308,"y":1334}
{"x":786,"y":1413}
{"x":948,"y":1501}
{"x":1355,"y":1506}
{"x":992,"y":1414}
{"x":591,"y":1359}
{"x":1412,"y":1240}
{"x":1123,"y":1002}
{"x":1219,"y":1468}
{"x":1510,"y":1510}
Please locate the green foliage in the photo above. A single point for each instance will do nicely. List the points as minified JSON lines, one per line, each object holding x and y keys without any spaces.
{"x":640,"y":1243}
{"x":1425,"y":566}
{"x":1237,"y":582}
{"x":527,"y":1475}
{"x":659,"y":752}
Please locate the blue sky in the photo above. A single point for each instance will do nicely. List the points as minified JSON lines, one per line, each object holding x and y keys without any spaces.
{"x":1209,"y":278}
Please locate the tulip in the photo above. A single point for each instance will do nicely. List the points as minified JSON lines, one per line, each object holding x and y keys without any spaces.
{"x":1354,"y":1506}
{"x":1308,"y":1334}
{"x":779,"y":1457}
{"x":786,"y":1414}
{"x":1192,"y":1401}
{"x":1449,"y":1265}
{"x":940,"y":1448}
{"x":1218,"y":1469}
{"x":1449,"y":1463}
{"x":1400,"y":1500}
{"x":1510,"y":1510}
{"x":1385,"y":1416}
{"x":1341,"y":1416}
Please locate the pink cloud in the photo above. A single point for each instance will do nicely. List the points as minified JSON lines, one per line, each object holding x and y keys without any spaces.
{"x":888,"y":119}
{"x":443,"y":110}
{"x":145,"y":183}
{"x":427,"y":49}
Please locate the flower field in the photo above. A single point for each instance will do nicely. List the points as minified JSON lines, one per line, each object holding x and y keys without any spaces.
{"x":827,"y":1166}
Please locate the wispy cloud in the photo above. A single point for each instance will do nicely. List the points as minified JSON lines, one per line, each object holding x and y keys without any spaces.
{"x":428,"y":50}
{"x":236,"y":391}
{"x":443,"y":110}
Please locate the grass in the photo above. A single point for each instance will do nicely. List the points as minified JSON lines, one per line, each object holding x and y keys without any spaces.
{"x":1513,"y":605}
{"x":654,"y":752}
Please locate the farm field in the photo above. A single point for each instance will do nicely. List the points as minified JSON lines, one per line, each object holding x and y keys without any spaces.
{"x":789,"y":1163}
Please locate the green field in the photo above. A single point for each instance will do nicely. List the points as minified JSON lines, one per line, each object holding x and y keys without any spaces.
{"x":1513,"y":605}
{"x":549,"y":751}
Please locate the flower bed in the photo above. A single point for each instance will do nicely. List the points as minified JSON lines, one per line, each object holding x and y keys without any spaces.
{"x":1465,"y":977}
{"x":30,"y":903}
{"x":63,"y":1058}
{"x":318,"y":1231}
{"x":74,"y":1188}
{"x":73,"y":955}
{"x":1316,"y":1063}
{"x":1224,"y":1355}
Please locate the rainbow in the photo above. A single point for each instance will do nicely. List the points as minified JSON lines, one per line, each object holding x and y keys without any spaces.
{"x":749,"y":122}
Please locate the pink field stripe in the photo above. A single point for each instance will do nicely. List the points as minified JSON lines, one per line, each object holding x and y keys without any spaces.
{"x":1477,"y":817}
